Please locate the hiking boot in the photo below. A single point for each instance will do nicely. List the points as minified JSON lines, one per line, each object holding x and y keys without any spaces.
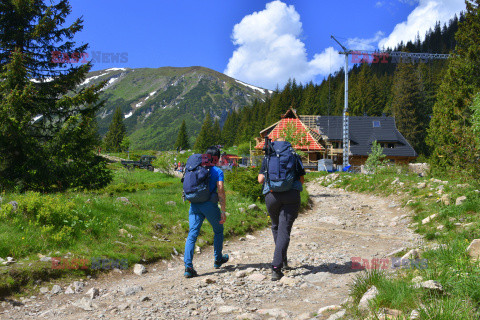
{"x":277,"y":273}
{"x":190,"y":273}
{"x":218,"y":264}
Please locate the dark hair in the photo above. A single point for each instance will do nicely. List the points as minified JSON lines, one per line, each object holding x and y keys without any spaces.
{"x":214,"y":152}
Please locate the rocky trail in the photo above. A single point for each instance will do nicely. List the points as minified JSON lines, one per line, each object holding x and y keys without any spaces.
{"x":338,"y":226}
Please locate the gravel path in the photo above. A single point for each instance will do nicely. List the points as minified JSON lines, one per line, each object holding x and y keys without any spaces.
{"x":339,"y":225}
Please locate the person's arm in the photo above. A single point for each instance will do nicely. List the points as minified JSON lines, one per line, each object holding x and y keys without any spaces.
{"x":222,"y":199}
{"x":261,"y":178}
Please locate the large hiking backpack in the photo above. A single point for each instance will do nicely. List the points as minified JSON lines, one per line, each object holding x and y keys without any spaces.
{"x":281,"y":166}
{"x":196,"y":179}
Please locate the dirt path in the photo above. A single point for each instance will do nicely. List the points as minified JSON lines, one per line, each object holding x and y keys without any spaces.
{"x":340,"y":225}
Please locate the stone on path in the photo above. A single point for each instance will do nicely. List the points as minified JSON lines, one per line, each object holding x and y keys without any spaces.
{"x":129,"y":291}
{"x":84,"y":303}
{"x":227,"y":309}
{"x":253,"y":207}
{"x":93,"y":293}
{"x":274,"y":312}
{"x":329,"y":308}
{"x":56,"y":289}
{"x":139,"y":269}
{"x":288,"y":281}
{"x":69,"y":290}
{"x":257,"y":277}
{"x":241,"y":274}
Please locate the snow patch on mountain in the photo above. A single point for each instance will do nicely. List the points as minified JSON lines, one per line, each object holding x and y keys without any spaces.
{"x":253,"y":87}
{"x":128,"y":115}
{"x":92,"y":78}
{"x":116,"y":69}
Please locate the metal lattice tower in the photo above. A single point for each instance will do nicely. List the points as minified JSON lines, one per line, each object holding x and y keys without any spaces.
{"x":394,"y":54}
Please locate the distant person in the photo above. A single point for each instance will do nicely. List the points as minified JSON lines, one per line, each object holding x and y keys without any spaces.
{"x":203,"y":187}
{"x":282,"y":175}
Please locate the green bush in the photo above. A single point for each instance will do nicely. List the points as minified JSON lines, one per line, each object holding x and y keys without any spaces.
{"x":243,"y":149}
{"x":244,"y":181}
{"x":164,"y":164}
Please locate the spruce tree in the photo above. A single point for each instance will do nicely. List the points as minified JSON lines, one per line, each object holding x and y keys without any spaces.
{"x":182,"y":138}
{"x":216,"y":133}
{"x":48,"y":133}
{"x":450,"y":134}
{"x":204,"y":138}
{"x":116,"y":132}
{"x":408,"y":106}
{"x":229,"y":131}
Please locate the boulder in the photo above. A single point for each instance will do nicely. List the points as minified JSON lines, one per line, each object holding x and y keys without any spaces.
{"x":432,"y":285}
{"x":84,"y":303}
{"x":421,"y":185}
{"x":139,"y":269}
{"x":123,"y":199}
{"x":93,"y":293}
{"x":460,"y":200}
{"x":445,"y":199}
{"x":429,"y":218}
{"x":14,"y":205}
{"x":227,"y":309}
{"x":369,"y":295}
{"x":328,"y":309}
{"x":129,"y":291}
{"x":56,"y":289}
{"x":473,"y":249}
{"x":288,"y":281}
{"x":274,"y":313}
{"x":253,"y":207}
{"x":257,"y":277}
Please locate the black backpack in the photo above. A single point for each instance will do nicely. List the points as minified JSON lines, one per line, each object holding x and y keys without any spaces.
{"x":196,"y":180}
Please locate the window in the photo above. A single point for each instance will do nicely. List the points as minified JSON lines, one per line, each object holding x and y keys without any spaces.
{"x":376,"y":124}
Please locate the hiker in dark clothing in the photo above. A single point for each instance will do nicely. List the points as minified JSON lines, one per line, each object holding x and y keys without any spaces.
{"x":283,"y":209}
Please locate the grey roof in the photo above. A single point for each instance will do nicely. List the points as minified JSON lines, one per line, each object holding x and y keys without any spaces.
{"x":362,"y":133}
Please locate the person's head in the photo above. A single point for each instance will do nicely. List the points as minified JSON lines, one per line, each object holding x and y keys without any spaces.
{"x":213,"y":154}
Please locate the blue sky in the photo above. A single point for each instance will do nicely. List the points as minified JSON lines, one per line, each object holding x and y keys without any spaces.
{"x":259,"y":42}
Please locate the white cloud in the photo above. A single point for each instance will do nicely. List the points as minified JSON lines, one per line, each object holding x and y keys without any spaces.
{"x":270,"y":52}
{"x":365,"y":44}
{"x":422,"y":18}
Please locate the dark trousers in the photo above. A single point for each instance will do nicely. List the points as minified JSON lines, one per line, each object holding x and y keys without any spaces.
{"x":283,"y":210}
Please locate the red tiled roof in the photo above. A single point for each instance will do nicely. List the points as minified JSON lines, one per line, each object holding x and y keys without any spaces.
{"x":311,"y":143}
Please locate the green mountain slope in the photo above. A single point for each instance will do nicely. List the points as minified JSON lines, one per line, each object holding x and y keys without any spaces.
{"x":156,"y":101}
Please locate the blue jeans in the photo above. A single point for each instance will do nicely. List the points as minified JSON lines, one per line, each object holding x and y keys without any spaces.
{"x":198,"y":212}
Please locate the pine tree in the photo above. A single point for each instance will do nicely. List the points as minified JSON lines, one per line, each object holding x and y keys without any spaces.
{"x":408,"y":106}
{"x":216,"y":133}
{"x":229,"y":131}
{"x":204,"y":138}
{"x":116,"y":132}
{"x":48,"y":130}
{"x":450,"y":134}
{"x":182,"y":138}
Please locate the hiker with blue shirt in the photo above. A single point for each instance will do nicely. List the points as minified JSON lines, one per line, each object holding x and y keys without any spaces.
{"x":203,"y":187}
{"x":282,"y":175}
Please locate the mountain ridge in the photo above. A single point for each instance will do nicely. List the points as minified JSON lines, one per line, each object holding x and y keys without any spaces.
{"x":155,"y":101}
